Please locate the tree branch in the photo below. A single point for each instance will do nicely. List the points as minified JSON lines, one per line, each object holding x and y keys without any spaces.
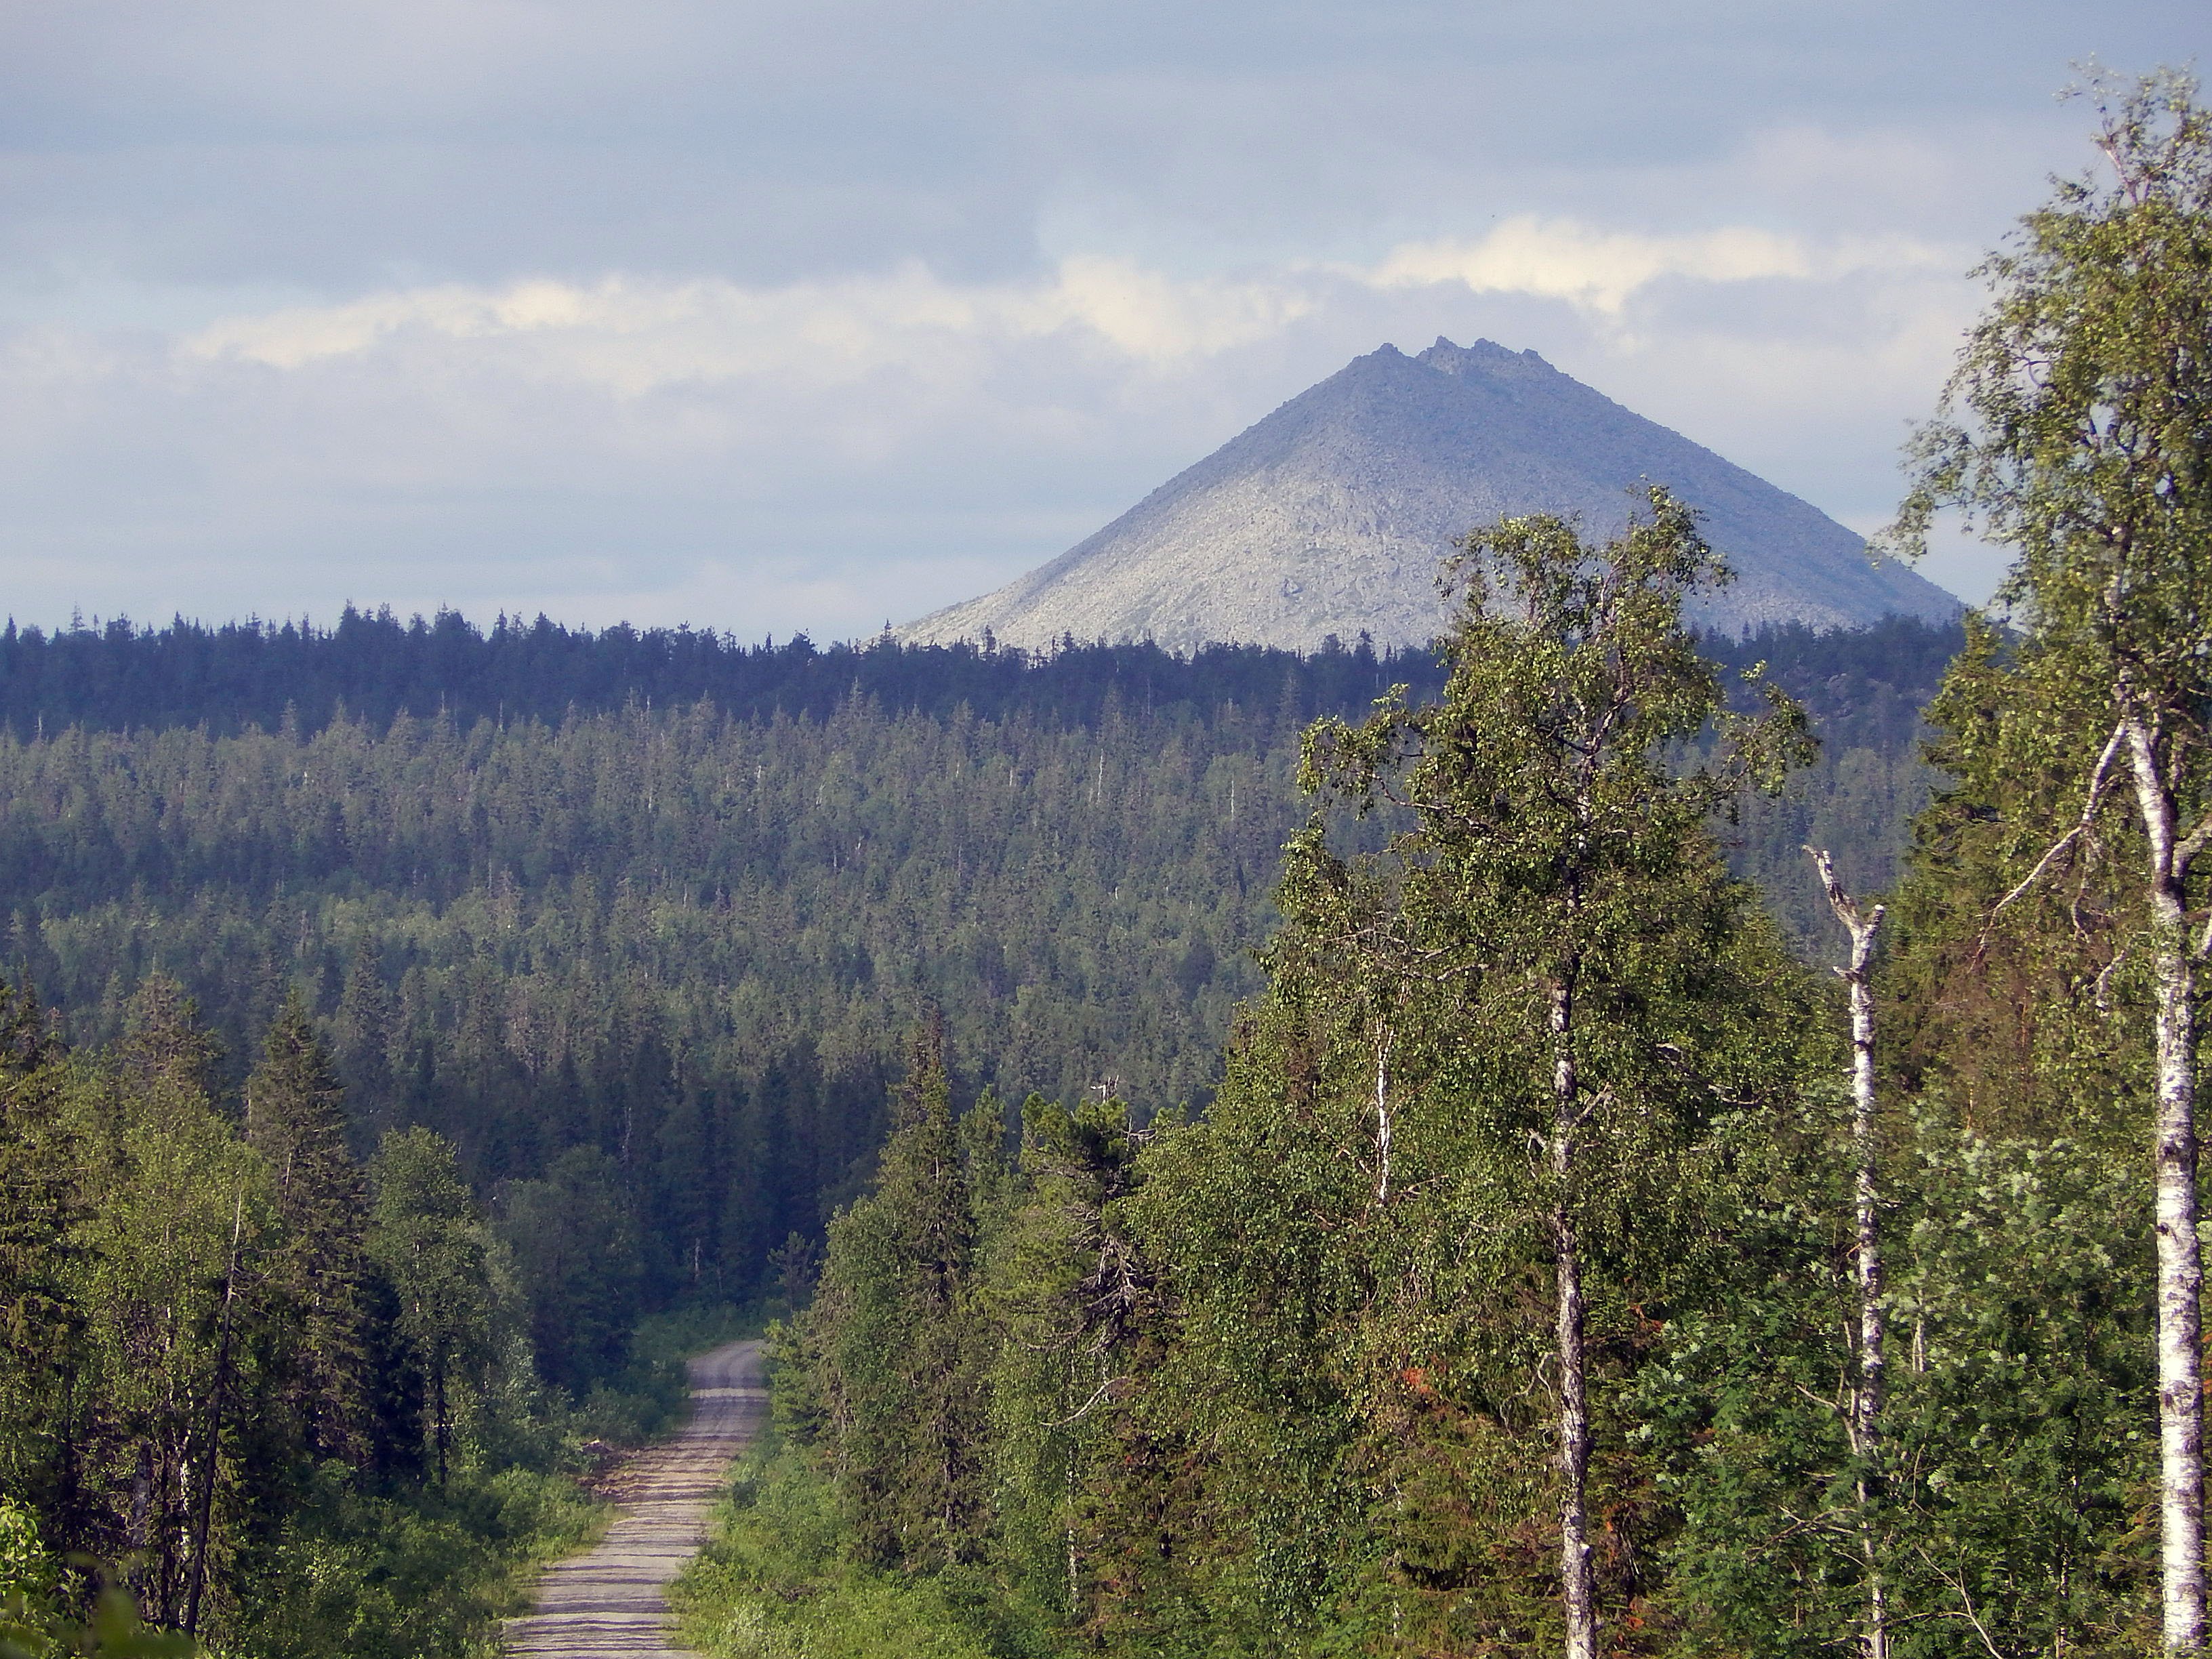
{"x":1078,"y":1416}
{"x":2097,"y":779}
{"x":2191,"y":845}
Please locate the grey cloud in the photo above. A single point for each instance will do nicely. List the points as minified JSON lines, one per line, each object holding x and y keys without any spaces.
{"x":333,"y":143}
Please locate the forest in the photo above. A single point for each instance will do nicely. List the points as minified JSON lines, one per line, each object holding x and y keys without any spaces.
{"x":1254,"y":1154}
{"x":1579,"y":1254}
{"x":618,"y":1001}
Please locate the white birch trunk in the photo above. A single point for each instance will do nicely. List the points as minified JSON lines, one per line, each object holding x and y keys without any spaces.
{"x":1382,"y":1046}
{"x":1578,"y":1584}
{"x":1867,"y":1394}
{"x":2180,"y":1273}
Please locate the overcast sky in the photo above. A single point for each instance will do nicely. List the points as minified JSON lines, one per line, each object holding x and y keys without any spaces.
{"x":765,"y":317}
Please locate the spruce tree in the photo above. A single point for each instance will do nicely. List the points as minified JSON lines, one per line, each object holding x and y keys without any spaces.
{"x":896,"y":1340}
{"x":295,"y":1120}
{"x":42,"y":1316}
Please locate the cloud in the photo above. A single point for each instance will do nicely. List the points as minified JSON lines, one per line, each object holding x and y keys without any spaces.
{"x":631,"y":336}
{"x":634,"y":335}
{"x":821,"y":453}
{"x":1598,"y":269}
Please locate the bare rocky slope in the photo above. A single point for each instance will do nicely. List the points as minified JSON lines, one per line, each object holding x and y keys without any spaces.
{"x":1329,"y":516}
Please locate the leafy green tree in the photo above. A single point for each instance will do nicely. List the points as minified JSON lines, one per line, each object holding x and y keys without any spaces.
{"x":2085,"y":399}
{"x":426,"y":1236}
{"x":180,"y":1224}
{"x":1614,"y":980}
{"x":1870,"y":1356}
{"x":2017,"y":1469}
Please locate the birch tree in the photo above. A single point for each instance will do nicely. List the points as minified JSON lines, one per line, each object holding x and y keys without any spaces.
{"x":1568,"y":883}
{"x":2077,"y":430}
{"x":1863,"y":924}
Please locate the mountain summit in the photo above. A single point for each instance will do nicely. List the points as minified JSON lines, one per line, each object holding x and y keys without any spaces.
{"x":1330,"y":516}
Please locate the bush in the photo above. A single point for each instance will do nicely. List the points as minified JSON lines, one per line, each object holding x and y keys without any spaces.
{"x":778,"y":1582}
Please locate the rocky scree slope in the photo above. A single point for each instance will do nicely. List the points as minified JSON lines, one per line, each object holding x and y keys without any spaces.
{"x":1329,"y":516}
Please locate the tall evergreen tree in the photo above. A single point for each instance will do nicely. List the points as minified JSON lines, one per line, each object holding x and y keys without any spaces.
{"x":896,"y":1342}
{"x":42,"y":1316}
{"x":573,"y":1236}
{"x":295,"y":1119}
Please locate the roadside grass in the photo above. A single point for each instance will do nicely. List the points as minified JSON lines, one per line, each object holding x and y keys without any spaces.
{"x":426,"y":1578}
{"x":778,"y":1581}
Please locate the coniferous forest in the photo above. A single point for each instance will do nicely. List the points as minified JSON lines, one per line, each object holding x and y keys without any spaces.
{"x":1592,"y":1139}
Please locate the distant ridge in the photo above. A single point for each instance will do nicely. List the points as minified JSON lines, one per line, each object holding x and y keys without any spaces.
{"x":1329,"y":516}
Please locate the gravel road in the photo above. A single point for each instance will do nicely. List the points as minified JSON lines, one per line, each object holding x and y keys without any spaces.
{"x":611,"y":1600}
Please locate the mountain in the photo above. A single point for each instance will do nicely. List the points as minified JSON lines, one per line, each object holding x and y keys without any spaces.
{"x":1329,"y":516}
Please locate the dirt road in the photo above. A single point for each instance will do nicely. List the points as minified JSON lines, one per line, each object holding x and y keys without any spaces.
{"x":610,"y":1599}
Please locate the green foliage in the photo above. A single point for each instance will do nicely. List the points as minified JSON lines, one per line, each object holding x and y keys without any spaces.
{"x":321,"y":1361}
{"x":1275,"y":1382}
{"x":2016,"y":1416}
{"x":687,"y":934}
{"x":2022,"y":1014}
{"x":26,"y":1569}
{"x":649,"y":1395}
{"x":1496,"y":1050}
{"x":778,"y":1581}
{"x":2087,"y":401}
{"x":894,"y":1342}
{"x":2084,"y":400}
{"x":112,"y":1630}
{"x":224,"y":1337}
{"x":1069,"y":1296}
{"x":574,"y":1244}
{"x":423,"y":1576}
{"x":2086,"y":445}
{"x":429,"y":1242}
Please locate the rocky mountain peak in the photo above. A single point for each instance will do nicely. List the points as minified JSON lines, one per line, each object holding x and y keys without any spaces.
{"x":1330,"y":516}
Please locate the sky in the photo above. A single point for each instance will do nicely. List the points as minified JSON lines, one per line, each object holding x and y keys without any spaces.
{"x":771,"y":317}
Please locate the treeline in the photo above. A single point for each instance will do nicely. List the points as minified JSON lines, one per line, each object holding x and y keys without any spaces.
{"x":374,"y":668}
{"x":289,"y":1399}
